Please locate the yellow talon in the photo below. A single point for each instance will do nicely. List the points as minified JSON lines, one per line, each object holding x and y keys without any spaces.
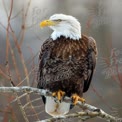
{"x":54,"y":94}
{"x":76,"y":98}
{"x":82,"y":100}
{"x":59,"y":94}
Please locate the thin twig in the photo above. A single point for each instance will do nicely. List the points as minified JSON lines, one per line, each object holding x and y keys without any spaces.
{"x":7,"y":30}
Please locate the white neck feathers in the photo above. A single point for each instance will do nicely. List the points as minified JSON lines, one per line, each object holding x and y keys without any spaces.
{"x":66,"y":33}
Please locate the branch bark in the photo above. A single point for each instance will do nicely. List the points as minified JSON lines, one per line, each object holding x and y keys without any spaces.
{"x":88,"y":111}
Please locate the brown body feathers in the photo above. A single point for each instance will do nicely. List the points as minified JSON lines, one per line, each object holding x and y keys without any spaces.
{"x":67,"y":64}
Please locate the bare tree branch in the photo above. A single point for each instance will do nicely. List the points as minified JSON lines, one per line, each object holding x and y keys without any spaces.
{"x":88,"y":111}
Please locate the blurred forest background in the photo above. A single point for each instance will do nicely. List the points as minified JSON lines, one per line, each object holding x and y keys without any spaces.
{"x":20,"y":42}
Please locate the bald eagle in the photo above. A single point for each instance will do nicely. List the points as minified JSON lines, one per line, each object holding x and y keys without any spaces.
{"x":66,"y":63}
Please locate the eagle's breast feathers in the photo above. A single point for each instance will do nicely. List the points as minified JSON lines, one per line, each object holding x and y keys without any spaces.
{"x":66,"y":62}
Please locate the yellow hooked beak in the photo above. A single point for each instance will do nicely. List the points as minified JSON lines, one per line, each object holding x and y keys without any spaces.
{"x":46,"y":23}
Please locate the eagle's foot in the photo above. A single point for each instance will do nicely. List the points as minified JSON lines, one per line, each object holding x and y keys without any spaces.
{"x":58,"y":94}
{"x":76,"y":98}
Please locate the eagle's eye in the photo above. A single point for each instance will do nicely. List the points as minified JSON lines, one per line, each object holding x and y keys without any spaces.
{"x":58,"y":20}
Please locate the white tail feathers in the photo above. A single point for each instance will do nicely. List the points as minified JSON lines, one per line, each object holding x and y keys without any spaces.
{"x":56,"y":109}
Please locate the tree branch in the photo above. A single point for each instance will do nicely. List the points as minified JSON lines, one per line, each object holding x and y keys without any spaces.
{"x":88,"y":111}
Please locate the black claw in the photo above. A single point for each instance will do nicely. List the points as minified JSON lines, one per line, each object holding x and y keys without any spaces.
{"x":97,"y":110}
{"x":71,"y":106}
{"x":60,"y":101}
{"x":84,"y":102}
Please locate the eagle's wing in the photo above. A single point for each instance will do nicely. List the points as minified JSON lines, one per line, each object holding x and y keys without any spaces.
{"x":43,"y":56}
{"x":92,"y":56}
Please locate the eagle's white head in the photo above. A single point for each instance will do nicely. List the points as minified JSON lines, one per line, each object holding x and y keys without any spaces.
{"x":63,"y":25}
